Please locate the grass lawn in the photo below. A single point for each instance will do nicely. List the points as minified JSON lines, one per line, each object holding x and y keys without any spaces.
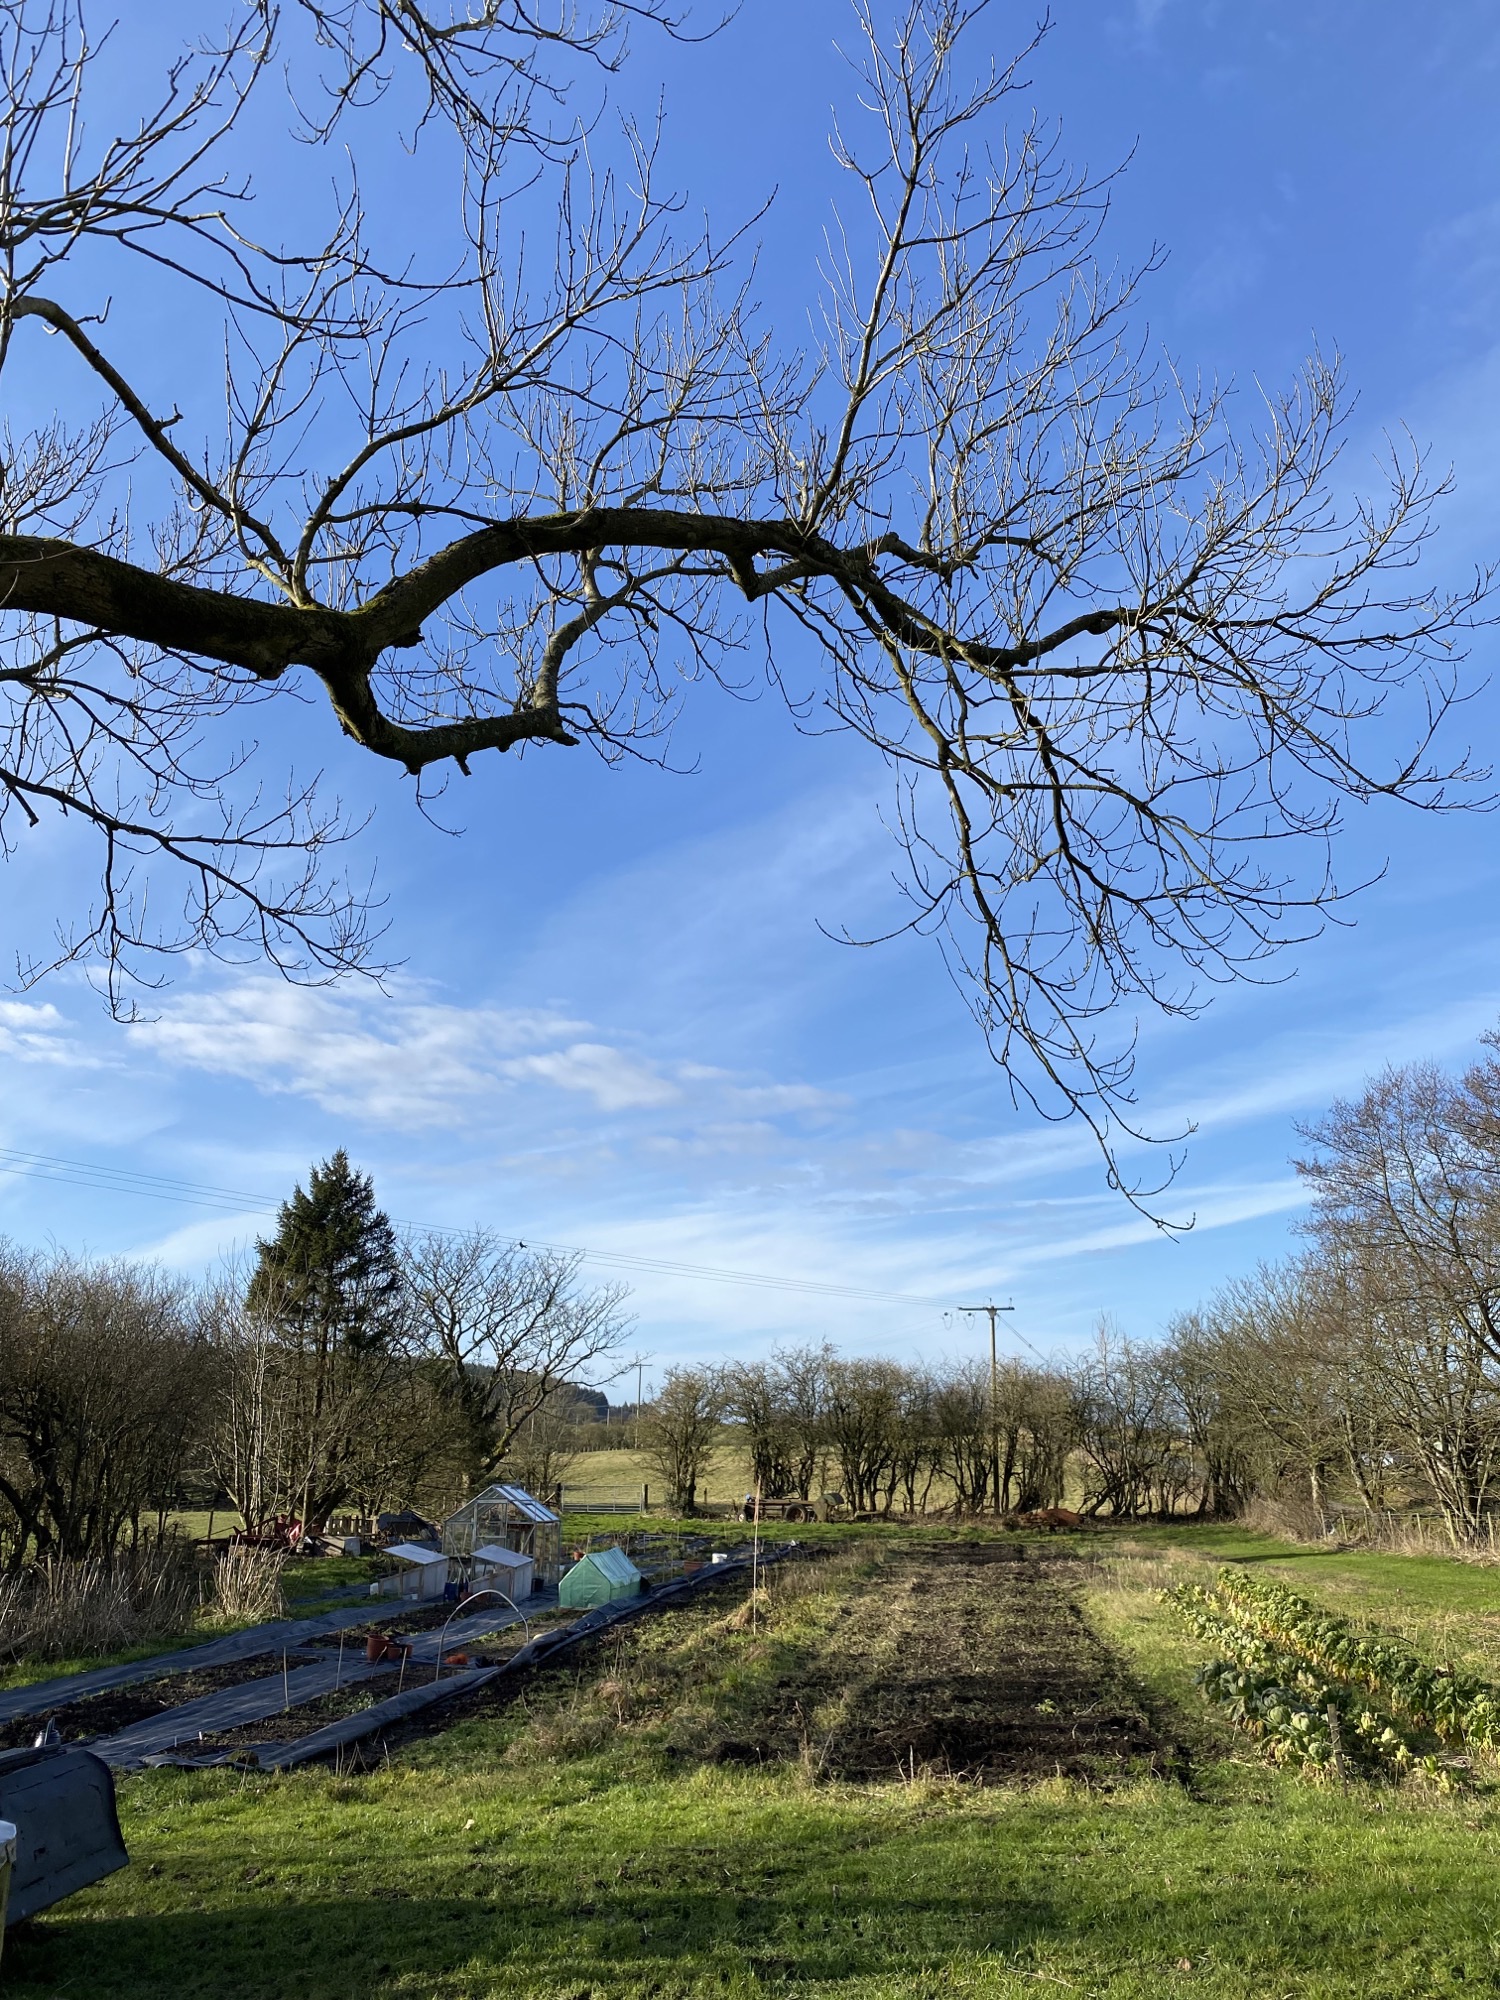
{"x":311,"y":1580}
{"x":619,"y":1476}
{"x":23,"y":1673}
{"x":701,"y":1807}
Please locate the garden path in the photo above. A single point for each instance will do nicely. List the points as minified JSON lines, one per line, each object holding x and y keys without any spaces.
{"x":253,"y":1701}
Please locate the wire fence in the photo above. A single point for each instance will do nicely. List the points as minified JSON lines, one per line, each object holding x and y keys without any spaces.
{"x":603,"y":1499}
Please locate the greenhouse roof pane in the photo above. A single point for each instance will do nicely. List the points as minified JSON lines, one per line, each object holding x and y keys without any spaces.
{"x":500,"y":1558}
{"x":523,"y":1502}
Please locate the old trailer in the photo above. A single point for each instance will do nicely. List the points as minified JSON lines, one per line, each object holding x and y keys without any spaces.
{"x":790,"y":1507}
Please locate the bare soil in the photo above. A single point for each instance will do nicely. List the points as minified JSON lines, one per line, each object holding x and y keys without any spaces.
{"x":967,"y":1659}
{"x":304,"y":1721}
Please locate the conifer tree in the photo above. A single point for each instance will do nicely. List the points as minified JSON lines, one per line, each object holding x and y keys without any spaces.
{"x":329,"y":1284}
{"x":331,"y":1272}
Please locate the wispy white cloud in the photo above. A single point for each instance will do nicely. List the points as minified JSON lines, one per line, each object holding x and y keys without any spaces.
{"x":769,"y":1100}
{"x":32,"y":1033}
{"x":1306,"y":1071}
{"x":402,"y":1062}
{"x":211,"y":1243}
{"x":614,"y":1080}
{"x":408,"y":1062}
{"x":1208,"y":1208}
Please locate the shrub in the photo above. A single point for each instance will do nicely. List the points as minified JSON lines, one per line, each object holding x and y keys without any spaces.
{"x":60,"y":1609}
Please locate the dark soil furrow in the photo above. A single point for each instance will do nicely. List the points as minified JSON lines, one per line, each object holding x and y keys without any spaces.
{"x":974,"y":1660}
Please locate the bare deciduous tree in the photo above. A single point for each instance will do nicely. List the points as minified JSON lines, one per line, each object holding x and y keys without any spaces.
{"x":301,"y":1430}
{"x":1117,"y":653}
{"x":1211,"y":1424}
{"x":1122,"y":1414}
{"x":964,"y":1426}
{"x":251,"y":1453}
{"x":683,"y":1425}
{"x":1407,"y":1222}
{"x":103,"y":1403}
{"x":1272,"y":1353}
{"x":508,"y":1327}
{"x":1407,"y":1178}
{"x":862,"y":1422}
{"x":779,"y":1405}
{"x":543,"y":1454}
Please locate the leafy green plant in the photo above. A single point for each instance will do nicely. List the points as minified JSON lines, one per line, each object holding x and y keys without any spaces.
{"x":1458,"y":1707}
{"x":1276,"y":1696}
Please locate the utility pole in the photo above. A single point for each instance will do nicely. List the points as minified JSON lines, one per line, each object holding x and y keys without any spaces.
{"x":640,"y":1364}
{"x":992,"y":1310}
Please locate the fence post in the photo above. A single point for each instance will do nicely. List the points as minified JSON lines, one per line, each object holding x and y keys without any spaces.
{"x":645,"y":1498}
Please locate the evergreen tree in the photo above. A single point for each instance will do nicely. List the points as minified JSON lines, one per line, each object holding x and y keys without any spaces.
{"x":329,"y":1284}
{"x":331,"y":1273}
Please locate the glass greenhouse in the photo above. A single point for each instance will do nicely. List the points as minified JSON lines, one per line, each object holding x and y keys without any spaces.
{"x":507,"y":1517}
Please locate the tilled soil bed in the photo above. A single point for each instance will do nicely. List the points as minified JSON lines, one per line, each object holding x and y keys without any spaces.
{"x":120,"y":1708}
{"x":968,"y":1659}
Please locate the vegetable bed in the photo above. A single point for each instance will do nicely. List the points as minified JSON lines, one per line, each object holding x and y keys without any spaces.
{"x":1322,"y":1693}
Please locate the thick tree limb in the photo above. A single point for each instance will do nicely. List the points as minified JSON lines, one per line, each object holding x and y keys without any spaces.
{"x":1123,"y":657}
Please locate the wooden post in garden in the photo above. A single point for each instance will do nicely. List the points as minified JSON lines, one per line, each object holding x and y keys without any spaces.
{"x":755,"y":1561}
{"x":1336,"y":1737}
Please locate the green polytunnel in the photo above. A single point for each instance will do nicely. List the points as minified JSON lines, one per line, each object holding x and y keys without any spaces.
{"x":599,"y":1578}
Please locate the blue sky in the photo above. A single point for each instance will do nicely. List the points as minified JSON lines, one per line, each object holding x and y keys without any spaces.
{"x":618,"y":1023}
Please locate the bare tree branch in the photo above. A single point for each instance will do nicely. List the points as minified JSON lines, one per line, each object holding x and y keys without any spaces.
{"x":521,"y":483}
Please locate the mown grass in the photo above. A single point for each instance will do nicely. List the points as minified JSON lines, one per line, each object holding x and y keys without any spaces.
{"x":316,"y":1577}
{"x":582,"y":1880}
{"x":584,"y":1845}
{"x":25,"y":1673}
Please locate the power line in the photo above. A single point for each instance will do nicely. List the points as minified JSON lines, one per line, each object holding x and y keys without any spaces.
{"x":159,"y":1187}
{"x":122,"y":1180}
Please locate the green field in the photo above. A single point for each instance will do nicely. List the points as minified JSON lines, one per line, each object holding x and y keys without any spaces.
{"x":621,"y":1475}
{"x":719,"y":1802}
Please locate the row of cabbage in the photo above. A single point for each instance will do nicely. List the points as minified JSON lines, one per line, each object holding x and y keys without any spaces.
{"x":1459,"y":1707}
{"x":1298,"y":1717}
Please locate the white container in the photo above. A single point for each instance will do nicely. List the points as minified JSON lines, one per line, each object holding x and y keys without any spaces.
{"x":7,"y":1861}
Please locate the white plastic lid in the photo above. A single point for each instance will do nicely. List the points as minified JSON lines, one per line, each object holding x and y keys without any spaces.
{"x":7,"y":1840}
